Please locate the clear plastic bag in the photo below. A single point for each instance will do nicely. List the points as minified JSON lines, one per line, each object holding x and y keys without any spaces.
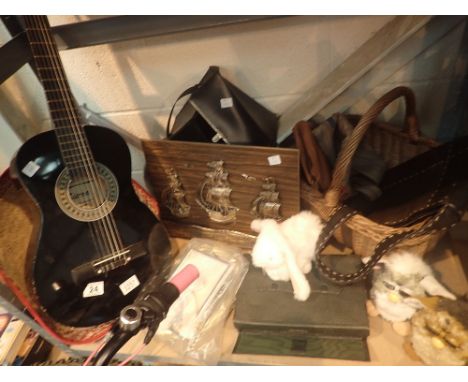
{"x":194,"y":324}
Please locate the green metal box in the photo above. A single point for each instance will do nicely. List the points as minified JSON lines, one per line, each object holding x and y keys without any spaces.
{"x":332,"y":323}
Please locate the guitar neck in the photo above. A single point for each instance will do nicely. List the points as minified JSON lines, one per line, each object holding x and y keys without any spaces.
{"x":65,"y":115}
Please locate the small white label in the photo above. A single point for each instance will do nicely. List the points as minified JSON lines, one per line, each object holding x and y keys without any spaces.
{"x":30,"y":169}
{"x":216,"y":138}
{"x":226,"y":102}
{"x":94,"y":289}
{"x":127,"y":286}
{"x":274,"y":160}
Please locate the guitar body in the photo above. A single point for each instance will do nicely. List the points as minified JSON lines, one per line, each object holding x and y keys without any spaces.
{"x":66,"y":243}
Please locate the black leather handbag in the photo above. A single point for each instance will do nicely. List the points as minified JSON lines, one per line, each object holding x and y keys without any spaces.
{"x":219,"y":112}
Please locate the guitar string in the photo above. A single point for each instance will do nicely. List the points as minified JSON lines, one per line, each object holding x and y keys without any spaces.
{"x":98,"y":243}
{"x":97,"y":191}
{"x":29,"y":20}
{"x":110,"y":217}
{"x":60,"y":139}
{"x":80,"y":134}
{"x":112,"y":242}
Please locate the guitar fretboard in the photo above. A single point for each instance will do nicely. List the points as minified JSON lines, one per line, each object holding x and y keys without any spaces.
{"x":73,"y":143}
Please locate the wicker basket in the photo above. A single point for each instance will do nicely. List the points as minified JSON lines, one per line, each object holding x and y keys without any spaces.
{"x":396,"y":146}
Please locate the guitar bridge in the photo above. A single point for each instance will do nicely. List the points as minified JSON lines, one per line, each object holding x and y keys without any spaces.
{"x":107,"y":263}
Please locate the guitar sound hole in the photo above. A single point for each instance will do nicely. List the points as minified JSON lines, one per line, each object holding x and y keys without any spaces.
{"x":88,"y":195}
{"x":86,"y":198}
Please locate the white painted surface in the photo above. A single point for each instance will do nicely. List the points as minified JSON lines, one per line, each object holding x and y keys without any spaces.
{"x":135,"y":83}
{"x":9,"y":143}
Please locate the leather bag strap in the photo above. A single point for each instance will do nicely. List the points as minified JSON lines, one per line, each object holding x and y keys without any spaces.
{"x":186,"y":92}
{"x":450,"y":213}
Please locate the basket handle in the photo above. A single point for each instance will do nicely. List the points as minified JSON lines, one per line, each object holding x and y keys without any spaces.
{"x":351,"y":143}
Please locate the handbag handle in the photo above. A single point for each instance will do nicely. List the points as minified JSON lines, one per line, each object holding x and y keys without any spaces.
{"x":186,"y":92}
{"x":212,"y":70}
{"x":351,"y":143}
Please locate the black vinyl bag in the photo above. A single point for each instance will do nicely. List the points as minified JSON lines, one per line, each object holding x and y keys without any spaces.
{"x":218,"y":111}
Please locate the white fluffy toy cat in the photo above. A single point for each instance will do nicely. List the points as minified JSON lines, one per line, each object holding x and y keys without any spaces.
{"x":285,"y":250}
{"x":397,"y":281}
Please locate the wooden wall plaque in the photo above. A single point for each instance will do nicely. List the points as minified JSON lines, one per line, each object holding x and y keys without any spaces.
{"x":216,"y":190}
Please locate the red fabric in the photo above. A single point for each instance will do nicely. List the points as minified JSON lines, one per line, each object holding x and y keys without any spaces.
{"x":146,"y":197}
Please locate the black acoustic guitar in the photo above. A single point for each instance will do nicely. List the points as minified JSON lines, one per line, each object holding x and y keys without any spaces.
{"x":98,"y":243}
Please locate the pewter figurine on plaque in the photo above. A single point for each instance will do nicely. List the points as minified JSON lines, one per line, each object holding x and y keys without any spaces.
{"x":223,"y":206}
{"x":173,"y":196}
{"x":267,"y":204}
{"x":214,"y":194}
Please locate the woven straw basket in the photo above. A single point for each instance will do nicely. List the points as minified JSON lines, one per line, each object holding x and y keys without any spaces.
{"x":395,"y":145}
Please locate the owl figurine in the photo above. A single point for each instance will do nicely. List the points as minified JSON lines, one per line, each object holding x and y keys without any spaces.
{"x":439,"y":334}
{"x":398,"y":281}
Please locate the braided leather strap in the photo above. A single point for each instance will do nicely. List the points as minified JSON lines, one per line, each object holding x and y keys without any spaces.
{"x":449,"y":214}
